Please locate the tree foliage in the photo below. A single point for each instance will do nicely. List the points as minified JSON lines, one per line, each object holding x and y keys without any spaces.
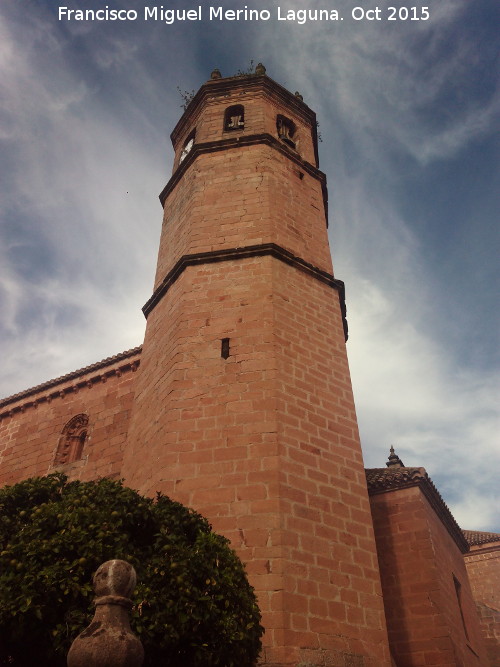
{"x":193,"y":603}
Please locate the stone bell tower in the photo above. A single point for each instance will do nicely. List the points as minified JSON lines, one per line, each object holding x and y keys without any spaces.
{"x":243,"y":407}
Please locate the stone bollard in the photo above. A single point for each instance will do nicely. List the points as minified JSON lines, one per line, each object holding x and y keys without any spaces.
{"x":108,"y":641}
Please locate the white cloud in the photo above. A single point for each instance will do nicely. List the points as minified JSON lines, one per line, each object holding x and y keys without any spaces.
{"x":385,"y":82}
{"x":80,"y":220}
{"x":409,"y":388}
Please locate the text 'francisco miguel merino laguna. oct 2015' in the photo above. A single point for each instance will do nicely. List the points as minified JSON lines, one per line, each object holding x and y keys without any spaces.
{"x":219,"y":13}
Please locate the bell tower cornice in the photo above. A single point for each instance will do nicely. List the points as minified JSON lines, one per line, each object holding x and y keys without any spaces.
{"x":241,"y":142}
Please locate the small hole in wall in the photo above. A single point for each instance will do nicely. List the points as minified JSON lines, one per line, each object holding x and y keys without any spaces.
{"x":224,"y":348}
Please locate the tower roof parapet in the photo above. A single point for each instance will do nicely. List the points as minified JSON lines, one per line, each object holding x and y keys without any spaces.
{"x":218,"y":85}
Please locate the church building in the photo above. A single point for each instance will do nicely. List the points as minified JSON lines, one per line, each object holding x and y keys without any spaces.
{"x":239,"y":404}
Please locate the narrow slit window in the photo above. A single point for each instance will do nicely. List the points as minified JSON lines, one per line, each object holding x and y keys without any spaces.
{"x":234,"y":118}
{"x":224,"y":348}
{"x":458,"y":591}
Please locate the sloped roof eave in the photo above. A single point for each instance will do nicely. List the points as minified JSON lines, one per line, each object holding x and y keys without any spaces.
{"x":386,"y":480}
{"x":480,"y":537}
{"x":99,"y":365}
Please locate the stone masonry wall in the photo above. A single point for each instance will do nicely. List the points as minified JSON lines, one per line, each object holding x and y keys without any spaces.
{"x":332,"y":585}
{"x":420,"y":564}
{"x":265,"y":444}
{"x":483,"y":568}
{"x":31,"y":426}
{"x":244,"y":197}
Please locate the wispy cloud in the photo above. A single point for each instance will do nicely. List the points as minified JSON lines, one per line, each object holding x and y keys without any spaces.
{"x":410,"y":388}
{"x":79,"y":195}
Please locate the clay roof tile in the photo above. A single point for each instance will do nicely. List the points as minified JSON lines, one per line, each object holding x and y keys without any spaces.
{"x":71,"y":376}
{"x":383,"y":480}
{"x":477,"y":537}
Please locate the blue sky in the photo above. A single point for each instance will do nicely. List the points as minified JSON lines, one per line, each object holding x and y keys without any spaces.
{"x":409,"y":118}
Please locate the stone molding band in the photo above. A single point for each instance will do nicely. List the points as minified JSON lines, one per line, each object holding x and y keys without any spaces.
{"x":224,"y":255}
{"x":114,"y":599}
{"x":240,"y":142}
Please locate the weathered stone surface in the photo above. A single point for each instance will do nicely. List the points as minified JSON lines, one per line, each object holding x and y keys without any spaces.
{"x":108,"y":641}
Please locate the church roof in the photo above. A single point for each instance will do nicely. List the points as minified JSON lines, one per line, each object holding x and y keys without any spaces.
{"x":397,"y":476}
{"x":385,"y":479}
{"x":98,"y":366}
{"x":477,"y":537}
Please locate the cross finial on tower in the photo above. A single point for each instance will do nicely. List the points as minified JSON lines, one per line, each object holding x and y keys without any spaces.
{"x":394,"y":460}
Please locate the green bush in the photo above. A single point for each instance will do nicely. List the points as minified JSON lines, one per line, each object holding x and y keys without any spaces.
{"x":193,"y":604}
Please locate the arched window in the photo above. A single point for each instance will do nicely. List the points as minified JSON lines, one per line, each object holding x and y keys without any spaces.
{"x":72,"y":439}
{"x":188,"y":145}
{"x":286,"y":130}
{"x":234,"y":118}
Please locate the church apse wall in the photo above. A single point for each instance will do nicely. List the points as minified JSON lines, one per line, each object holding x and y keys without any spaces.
{"x":429,"y":605}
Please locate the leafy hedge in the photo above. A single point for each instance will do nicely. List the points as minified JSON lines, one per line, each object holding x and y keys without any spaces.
{"x":193,"y":604}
